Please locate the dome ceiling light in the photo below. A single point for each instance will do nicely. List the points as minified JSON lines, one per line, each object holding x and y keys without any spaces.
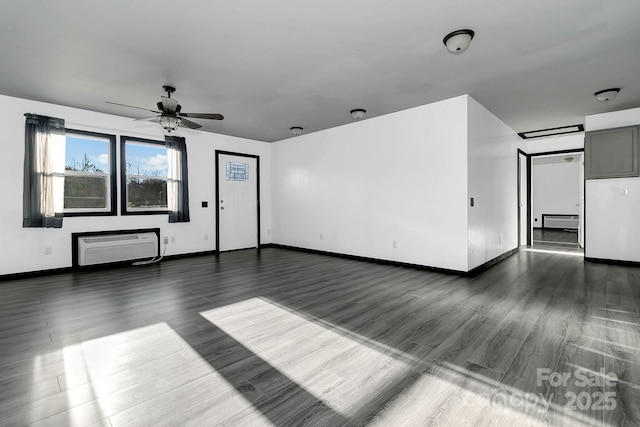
{"x":358,"y":113}
{"x":607,"y":94}
{"x":458,"y":41}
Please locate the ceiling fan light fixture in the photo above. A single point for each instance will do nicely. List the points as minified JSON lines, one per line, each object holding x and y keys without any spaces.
{"x":607,"y":94}
{"x":169,"y":123}
{"x":296,"y":130}
{"x":358,"y":113}
{"x":458,"y":41}
{"x":169,"y":113}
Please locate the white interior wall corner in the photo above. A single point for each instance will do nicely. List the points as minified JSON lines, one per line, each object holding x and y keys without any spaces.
{"x":493,"y":184}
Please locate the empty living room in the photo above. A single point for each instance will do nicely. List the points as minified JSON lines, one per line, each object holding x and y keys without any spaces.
{"x":325,"y":214}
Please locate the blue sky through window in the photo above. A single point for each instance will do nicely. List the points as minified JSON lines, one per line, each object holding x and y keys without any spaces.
{"x":147,"y":159}
{"x":96,"y":150}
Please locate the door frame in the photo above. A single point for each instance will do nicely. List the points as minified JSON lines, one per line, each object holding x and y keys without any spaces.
{"x":528,"y":184}
{"x":529,"y":187}
{"x":217,"y":172}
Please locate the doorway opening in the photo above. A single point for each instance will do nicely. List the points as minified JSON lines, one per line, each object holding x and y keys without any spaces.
{"x":551,"y":200}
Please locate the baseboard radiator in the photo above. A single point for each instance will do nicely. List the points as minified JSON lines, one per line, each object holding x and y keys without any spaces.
{"x":103,"y":249}
{"x":561,"y":221}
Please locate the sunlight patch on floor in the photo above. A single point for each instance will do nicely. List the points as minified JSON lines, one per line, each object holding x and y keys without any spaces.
{"x":340,"y":371}
{"x":555,"y":252}
{"x":138,"y":377}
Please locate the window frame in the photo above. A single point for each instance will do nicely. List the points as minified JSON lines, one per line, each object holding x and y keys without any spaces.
{"x":111,"y":179}
{"x":123,"y":177}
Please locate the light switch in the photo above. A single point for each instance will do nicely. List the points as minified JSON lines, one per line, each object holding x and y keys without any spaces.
{"x":624,"y":192}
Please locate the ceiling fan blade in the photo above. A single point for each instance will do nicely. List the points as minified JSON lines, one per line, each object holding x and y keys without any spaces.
{"x":169,"y":104}
{"x":150,"y":119}
{"x":211,"y":116}
{"x":189,"y":124}
{"x":131,"y":106}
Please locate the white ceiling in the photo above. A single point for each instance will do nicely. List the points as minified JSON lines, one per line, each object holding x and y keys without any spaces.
{"x":270,"y":65}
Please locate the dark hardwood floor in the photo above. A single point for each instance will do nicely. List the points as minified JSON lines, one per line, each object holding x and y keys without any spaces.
{"x":555,"y":238}
{"x":279,"y":337}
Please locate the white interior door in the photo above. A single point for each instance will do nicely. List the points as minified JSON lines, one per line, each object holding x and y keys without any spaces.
{"x":238,"y":202}
{"x":522,"y":203}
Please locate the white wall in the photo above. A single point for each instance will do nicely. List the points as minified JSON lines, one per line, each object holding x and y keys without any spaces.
{"x":612,"y":227}
{"x":556,"y":189}
{"x":630,"y":117}
{"x":492,"y":182}
{"x":22,"y":249}
{"x":355,"y":189}
{"x":552,"y":143}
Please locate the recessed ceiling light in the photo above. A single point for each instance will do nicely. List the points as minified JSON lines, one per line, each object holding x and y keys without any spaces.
{"x":551,"y":132}
{"x":358,"y":113}
{"x":458,"y":41}
{"x":296,"y":130}
{"x":606,"y":94}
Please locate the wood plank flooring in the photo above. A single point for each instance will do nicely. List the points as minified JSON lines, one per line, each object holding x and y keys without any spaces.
{"x":559,"y":238}
{"x":279,"y":337}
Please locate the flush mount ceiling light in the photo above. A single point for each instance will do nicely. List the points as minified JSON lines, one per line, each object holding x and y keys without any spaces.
{"x":551,"y":132}
{"x":458,"y":41}
{"x":606,"y":94}
{"x":358,"y":113}
{"x":296,"y":130}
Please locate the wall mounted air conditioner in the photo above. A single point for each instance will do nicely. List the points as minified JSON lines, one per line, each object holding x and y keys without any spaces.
{"x":561,"y":221}
{"x":102,"y":249}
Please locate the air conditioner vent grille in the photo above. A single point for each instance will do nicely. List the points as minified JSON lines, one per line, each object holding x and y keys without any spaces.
{"x":560,"y":221}
{"x":110,"y":238}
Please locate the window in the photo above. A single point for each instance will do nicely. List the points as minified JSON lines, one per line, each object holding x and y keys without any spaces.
{"x":89,"y":184}
{"x":144,"y":168}
{"x":237,"y":171}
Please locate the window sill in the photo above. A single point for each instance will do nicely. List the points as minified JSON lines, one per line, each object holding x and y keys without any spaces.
{"x":75,"y":214}
{"x":154,"y":212}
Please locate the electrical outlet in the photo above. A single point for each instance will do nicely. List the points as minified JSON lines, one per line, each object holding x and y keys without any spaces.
{"x":166,"y":240}
{"x":394,"y":244}
{"x":321,"y":236}
{"x":47,"y":250}
{"x":206,"y":237}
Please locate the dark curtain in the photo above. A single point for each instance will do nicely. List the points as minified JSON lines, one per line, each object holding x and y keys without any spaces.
{"x":43,"y":191}
{"x":178,"y":179}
